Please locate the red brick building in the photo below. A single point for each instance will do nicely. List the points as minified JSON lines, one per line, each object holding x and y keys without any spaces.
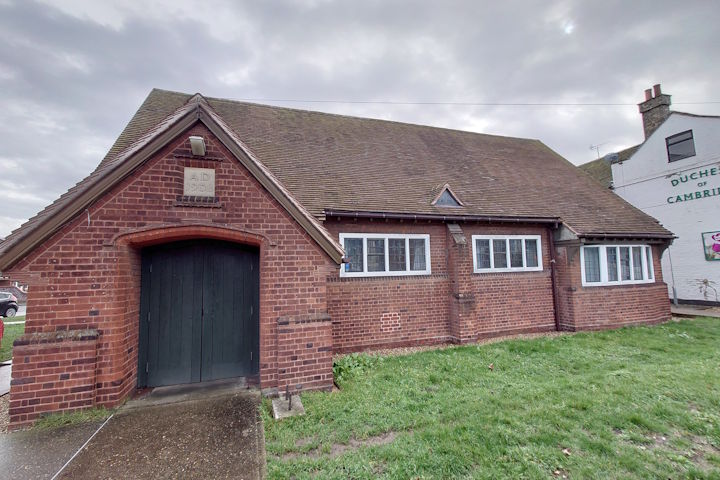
{"x":221,"y":239}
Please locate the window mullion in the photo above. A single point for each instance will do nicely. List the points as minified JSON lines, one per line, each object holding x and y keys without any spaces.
{"x":507,"y":254}
{"x":407,"y":254}
{"x":492,"y":254}
{"x":365,"y":262}
{"x":602,"y":254}
{"x":522,"y":243}
{"x":387,"y":254}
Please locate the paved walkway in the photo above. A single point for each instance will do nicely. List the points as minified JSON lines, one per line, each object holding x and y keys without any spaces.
{"x":695,"y":311}
{"x":39,"y":454}
{"x":5,"y":374}
{"x":216,"y":435}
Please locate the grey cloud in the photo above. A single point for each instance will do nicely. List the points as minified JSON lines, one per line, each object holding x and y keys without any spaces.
{"x":70,"y":83}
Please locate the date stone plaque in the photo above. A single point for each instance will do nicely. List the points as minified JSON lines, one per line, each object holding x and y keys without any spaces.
{"x":199,"y":182}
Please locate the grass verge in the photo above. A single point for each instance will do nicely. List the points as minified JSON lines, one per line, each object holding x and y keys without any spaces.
{"x":16,"y":318}
{"x":631,"y":403}
{"x":55,"y":420}
{"x":11,"y":333}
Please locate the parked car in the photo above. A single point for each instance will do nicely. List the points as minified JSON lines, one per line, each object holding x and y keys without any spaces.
{"x":8,"y":304}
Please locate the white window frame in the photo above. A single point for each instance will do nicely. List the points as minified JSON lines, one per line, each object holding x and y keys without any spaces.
{"x":386,"y":237}
{"x":648,"y":273}
{"x":507,"y":239}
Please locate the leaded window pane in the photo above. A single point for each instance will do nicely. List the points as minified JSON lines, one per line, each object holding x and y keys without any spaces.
{"x":417,"y":254}
{"x":624,"y":263}
{"x":592,"y":264}
{"x":637,"y":263}
{"x":612,"y":264}
{"x":499,"y":253}
{"x":482,"y":250}
{"x":354,"y":254}
{"x":396,"y":250}
{"x":516,"y":256}
{"x":531,"y":253}
{"x":376,"y":254}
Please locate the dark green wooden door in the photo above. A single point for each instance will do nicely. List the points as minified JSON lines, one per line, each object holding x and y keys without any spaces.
{"x":198,"y":313}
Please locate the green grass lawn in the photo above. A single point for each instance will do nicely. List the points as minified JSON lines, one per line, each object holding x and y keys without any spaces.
{"x":11,"y":333}
{"x":631,"y":403}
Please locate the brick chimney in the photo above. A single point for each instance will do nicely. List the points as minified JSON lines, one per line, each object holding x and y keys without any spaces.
{"x":654,"y":110}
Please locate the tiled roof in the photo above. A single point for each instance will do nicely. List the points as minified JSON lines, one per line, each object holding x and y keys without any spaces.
{"x":342,"y":163}
{"x":600,"y":169}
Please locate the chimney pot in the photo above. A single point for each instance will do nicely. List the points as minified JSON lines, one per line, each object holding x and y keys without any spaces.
{"x":648,"y":94}
{"x":656,"y":88}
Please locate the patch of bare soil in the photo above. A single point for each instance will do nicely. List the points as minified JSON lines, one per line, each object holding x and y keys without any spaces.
{"x":701,"y":449}
{"x":4,"y":412}
{"x":338,"y":449}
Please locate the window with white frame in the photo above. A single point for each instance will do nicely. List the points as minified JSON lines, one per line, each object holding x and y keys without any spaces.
{"x":616,"y":264}
{"x":385,"y":254}
{"x":506,"y":253}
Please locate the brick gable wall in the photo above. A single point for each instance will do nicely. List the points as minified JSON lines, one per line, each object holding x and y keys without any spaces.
{"x":87,"y":275}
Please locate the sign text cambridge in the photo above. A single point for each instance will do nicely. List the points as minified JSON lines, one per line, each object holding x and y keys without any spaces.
{"x":701,"y":177}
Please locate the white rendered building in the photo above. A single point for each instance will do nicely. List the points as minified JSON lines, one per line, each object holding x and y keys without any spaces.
{"x":674,"y":176}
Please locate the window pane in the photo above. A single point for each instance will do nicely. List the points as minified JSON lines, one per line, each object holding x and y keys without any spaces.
{"x":482,"y":250}
{"x":396,"y":247}
{"x":499,"y":254}
{"x":625,"y":263}
{"x":648,"y":254}
{"x":612,"y":264}
{"x":637,"y":263}
{"x":417,"y":254}
{"x":680,"y":146}
{"x":531,"y":253}
{"x":592,"y":264}
{"x":516,"y":258}
{"x":354,"y":254}
{"x":376,"y":254}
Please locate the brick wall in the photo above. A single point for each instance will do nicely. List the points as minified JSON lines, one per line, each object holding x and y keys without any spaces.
{"x":304,"y":353}
{"x":87,"y":275}
{"x":491,"y":304}
{"x":451,"y":304}
{"x":595,"y":308}
{"x":390,"y":311}
{"x":51,"y":372}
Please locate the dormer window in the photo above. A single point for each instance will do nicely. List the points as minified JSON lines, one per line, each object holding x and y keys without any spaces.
{"x":680,"y":146}
{"x":446,"y":198}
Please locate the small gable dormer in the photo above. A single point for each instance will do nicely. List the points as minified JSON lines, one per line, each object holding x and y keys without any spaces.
{"x":446,"y":198}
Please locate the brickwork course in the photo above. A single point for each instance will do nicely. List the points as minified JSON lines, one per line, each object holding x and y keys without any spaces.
{"x":289,"y":182}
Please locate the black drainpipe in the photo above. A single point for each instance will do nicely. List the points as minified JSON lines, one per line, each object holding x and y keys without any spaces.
{"x":553,"y":279}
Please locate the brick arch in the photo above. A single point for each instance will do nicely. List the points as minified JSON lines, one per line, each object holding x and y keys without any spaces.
{"x":155,"y":235}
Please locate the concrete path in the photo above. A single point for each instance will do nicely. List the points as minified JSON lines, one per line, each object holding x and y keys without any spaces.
{"x":213,"y":434}
{"x":5,"y":374}
{"x":39,"y":454}
{"x":693,"y":311}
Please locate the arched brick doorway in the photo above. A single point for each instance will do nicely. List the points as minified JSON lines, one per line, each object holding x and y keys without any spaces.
{"x":198,"y":291}
{"x":199,"y":313}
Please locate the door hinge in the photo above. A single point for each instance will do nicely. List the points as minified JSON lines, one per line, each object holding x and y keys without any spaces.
{"x":151,"y":268}
{"x":251,"y":309}
{"x":148,"y":318}
{"x":250,"y":355}
{"x":147,"y":367}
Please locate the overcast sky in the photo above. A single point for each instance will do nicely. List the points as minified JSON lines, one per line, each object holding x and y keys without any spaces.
{"x":72,"y":73}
